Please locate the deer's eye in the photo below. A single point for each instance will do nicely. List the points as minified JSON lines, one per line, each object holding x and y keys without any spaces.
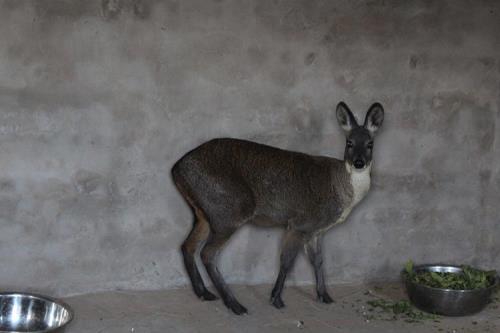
{"x":349,"y":144}
{"x":370,"y":145}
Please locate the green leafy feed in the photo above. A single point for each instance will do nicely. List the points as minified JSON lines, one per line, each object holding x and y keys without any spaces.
{"x":470,"y":278}
{"x":397,"y":310}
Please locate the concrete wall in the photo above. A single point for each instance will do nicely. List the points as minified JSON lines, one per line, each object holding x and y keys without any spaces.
{"x":99,"y":99}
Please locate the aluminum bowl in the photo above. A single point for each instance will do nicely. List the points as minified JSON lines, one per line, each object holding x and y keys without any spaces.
{"x":21,"y":312}
{"x":447,"y":302}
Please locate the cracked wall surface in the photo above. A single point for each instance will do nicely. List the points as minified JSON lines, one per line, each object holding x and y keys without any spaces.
{"x":99,"y":98}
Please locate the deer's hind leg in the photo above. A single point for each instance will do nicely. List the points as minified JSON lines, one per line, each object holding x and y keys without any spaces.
{"x":227,"y":211}
{"x":209,"y":255}
{"x":226,"y":204}
{"x":198,"y":235}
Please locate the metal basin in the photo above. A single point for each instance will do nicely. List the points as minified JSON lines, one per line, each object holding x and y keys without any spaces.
{"x":20,"y":312}
{"x":447,"y":302}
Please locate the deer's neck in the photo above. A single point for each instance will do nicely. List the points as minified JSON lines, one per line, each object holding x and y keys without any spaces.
{"x":360,"y":183}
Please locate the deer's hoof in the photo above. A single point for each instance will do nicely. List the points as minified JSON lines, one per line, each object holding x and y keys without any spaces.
{"x":325,"y":298}
{"x":277,"y":302}
{"x":208,"y":296}
{"x":237,"y":308}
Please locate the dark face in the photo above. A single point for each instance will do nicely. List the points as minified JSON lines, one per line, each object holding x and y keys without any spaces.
{"x":359,"y":143}
{"x":358,"y":148}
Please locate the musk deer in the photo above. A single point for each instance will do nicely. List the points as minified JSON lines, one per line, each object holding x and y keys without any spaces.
{"x":230,"y":182}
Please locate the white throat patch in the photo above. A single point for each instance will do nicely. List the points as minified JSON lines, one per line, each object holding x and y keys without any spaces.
{"x":360,"y":182}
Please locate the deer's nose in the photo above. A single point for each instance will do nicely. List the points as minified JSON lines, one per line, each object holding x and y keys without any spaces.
{"x":359,"y":164}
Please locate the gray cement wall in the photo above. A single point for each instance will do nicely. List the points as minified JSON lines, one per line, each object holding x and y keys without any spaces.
{"x":99,"y":99}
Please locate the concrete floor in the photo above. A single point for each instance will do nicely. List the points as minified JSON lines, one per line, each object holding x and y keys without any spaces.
{"x":179,"y":311}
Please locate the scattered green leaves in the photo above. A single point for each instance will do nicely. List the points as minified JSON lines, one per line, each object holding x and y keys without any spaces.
{"x":469,"y":278}
{"x":398,"y":310}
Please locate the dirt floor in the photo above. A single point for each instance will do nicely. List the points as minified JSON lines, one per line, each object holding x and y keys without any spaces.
{"x":355,"y":310}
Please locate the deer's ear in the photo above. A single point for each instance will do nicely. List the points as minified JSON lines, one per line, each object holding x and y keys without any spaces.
{"x":374,"y":118}
{"x":345,"y":117}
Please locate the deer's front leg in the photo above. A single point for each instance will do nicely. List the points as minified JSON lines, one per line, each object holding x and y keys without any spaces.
{"x":292,"y":243}
{"x":315,"y":254}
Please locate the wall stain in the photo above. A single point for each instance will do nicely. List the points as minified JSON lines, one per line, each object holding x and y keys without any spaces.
{"x":111,"y":8}
{"x":309,"y":59}
{"x":413,"y":62}
{"x":487,"y":62}
{"x":7,"y":185}
{"x":64,"y":9}
{"x":457,"y":116}
{"x":142,"y":9}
